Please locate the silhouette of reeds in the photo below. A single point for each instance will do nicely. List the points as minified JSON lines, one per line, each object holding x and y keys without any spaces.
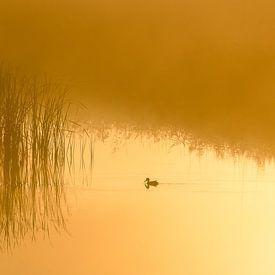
{"x":261,"y":154}
{"x":33,"y":123}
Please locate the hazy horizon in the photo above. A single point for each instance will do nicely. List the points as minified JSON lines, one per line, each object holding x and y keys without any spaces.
{"x":204,"y":65}
{"x":179,"y":93}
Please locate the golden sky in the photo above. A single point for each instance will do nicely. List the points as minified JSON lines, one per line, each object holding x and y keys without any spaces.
{"x":192,"y":60}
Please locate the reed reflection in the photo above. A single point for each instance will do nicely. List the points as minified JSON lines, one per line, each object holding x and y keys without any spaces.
{"x":33,"y":120}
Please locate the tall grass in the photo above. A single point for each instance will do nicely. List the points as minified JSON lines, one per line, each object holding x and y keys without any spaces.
{"x":261,"y":154}
{"x":33,"y":123}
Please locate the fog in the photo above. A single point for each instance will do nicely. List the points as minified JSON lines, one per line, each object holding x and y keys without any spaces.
{"x":181,"y":92}
{"x":204,"y":65}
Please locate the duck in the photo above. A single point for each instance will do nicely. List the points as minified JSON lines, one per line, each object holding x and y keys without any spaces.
{"x":149,"y":183}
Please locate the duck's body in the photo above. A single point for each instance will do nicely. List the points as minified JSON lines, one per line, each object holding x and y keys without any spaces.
{"x":149,"y":183}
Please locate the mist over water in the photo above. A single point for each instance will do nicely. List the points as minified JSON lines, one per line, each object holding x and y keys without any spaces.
{"x":96,"y":96}
{"x":206,"y":66}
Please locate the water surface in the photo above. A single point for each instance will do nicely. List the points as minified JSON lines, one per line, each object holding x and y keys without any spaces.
{"x":209,"y":215}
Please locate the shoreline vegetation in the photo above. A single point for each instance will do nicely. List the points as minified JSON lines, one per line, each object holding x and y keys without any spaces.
{"x":39,"y":144}
{"x":34,"y":129}
{"x":261,"y":153}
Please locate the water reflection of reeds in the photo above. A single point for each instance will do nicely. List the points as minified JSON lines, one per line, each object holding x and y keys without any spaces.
{"x":33,"y":120}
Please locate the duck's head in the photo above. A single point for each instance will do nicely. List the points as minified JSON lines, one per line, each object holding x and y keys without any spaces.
{"x":147,"y":179}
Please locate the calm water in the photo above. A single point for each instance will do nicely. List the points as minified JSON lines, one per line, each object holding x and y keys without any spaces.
{"x":209,"y":215}
{"x":204,"y":66}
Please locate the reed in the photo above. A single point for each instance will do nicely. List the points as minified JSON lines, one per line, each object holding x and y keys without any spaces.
{"x":33,"y":123}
